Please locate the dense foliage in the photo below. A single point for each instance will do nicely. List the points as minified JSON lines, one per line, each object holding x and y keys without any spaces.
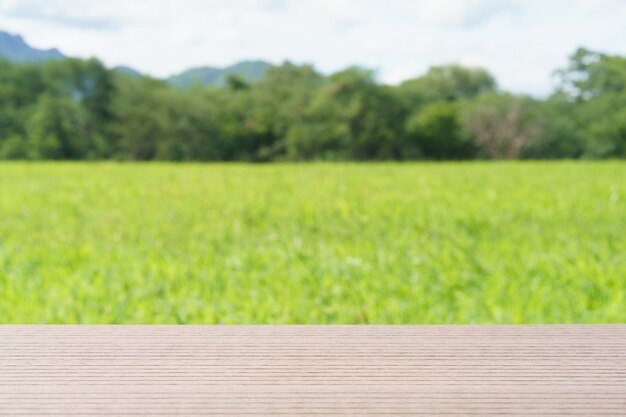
{"x":80,"y":110}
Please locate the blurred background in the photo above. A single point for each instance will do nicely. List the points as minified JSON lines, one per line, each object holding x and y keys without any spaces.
{"x":346,"y":161}
{"x":264,"y":80}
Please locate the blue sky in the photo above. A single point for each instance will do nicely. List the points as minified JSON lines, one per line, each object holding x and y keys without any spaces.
{"x":521,"y":41}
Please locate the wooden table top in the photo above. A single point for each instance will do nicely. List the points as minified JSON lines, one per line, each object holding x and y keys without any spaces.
{"x":312,"y":370}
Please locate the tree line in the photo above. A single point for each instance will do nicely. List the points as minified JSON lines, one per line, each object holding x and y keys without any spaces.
{"x":79,"y":110}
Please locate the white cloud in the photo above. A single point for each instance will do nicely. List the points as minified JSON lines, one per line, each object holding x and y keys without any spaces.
{"x":520,"y":41}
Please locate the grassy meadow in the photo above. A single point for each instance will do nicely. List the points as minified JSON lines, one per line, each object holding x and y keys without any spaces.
{"x":320,"y":243}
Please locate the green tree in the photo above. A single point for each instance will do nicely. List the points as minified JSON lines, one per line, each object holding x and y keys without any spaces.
{"x":359,"y":118}
{"x":605,"y":126}
{"x":561,"y":133}
{"x":435,"y":132}
{"x":57,"y":129}
{"x":142,"y":118}
{"x":447,"y":83}
{"x":236,"y":82}
{"x":79,"y":109}
{"x":278,"y":103}
{"x":596,"y":85}
{"x":591,"y":74}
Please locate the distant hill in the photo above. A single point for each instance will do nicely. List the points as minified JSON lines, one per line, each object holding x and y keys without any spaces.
{"x":14,"y":48}
{"x":251,"y":71}
{"x":128,"y":71}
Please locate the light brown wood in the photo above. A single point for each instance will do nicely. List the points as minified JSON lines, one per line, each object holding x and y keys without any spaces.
{"x":370,"y":370}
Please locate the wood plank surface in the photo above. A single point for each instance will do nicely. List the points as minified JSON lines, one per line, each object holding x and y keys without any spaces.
{"x":312,"y":370}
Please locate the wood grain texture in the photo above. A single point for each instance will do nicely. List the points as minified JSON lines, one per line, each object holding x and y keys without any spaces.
{"x":312,"y":370}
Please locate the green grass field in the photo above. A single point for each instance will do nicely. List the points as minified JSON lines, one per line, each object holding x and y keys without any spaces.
{"x":345,"y":243}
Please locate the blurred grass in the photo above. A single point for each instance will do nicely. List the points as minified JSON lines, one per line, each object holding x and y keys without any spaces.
{"x":321,"y":243}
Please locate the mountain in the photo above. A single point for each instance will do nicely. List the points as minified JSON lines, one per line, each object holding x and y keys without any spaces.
{"x":251,"y":71}
{"x":122,"y":69}
{"x":14,"y":48}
